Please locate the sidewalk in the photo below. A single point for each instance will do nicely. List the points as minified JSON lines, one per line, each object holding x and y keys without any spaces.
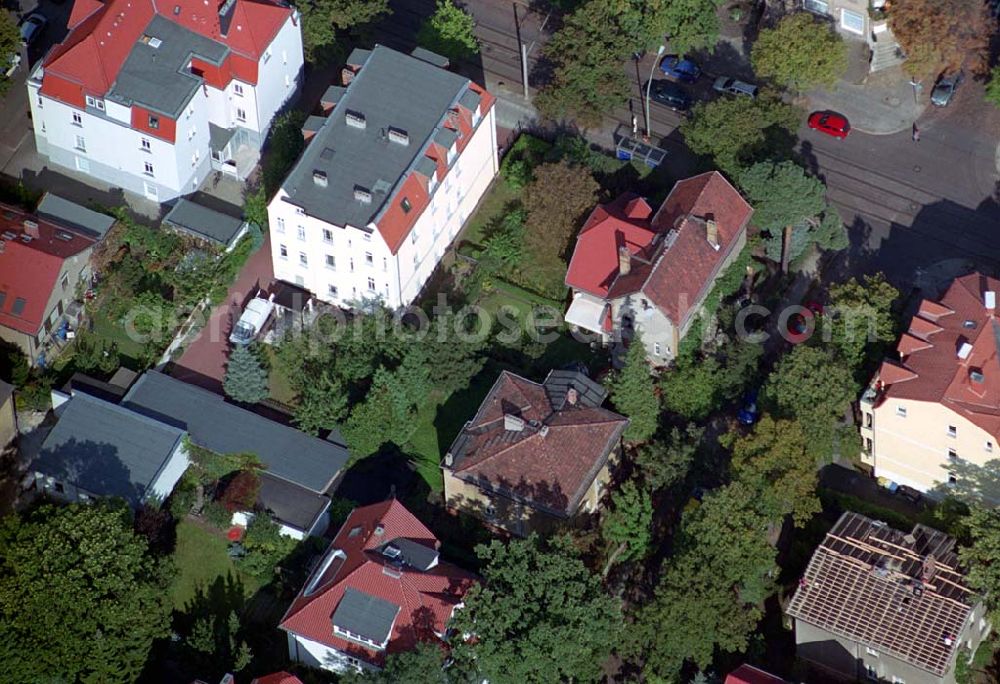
{"x":879,"y":103}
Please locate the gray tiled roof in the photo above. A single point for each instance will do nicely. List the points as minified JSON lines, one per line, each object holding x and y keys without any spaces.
{"x":391,"y":89}
{"x":412,"y":553}
{"x":589,"y":392}
{"x":213,"y":424}
{"x":290,"y":503}
{"x":72,"y":215}
{"x":106,"y":449}
{"x":203,"y":222}
{"x":366,"y":615}
{"x":157,"y":77}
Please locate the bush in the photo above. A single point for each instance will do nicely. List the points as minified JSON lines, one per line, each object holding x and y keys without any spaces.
{"x":36,"y":396}
{"x":216,"y":515}
{"x":182,"y":499}
{"x":516,"y":173}
{"x":265,"y":547}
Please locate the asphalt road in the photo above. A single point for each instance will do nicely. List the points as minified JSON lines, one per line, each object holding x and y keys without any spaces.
{"x":915,"y":210}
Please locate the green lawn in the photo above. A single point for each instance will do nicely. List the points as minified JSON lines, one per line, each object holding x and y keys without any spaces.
{"x":110,"y":330}
{"x":492,"y":208}
{"x":200,"y":557}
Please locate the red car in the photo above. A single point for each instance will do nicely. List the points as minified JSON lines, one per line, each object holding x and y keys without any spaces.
{"x":830,"y":123}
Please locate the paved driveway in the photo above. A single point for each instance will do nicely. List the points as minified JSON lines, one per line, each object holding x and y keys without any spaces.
{"x":204,"y":361}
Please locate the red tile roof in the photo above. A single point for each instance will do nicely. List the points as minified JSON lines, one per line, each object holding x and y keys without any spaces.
{"x":621,"y":223}
{"x":549,"y":463}
{"x":931,"y":368}
{"x":748,"y":674}
{"x":29,"y":270}
{"x":103,"y":33}
{"x":673,"y":263}
{"x":277,"y":678}
{"x":426,"y":598}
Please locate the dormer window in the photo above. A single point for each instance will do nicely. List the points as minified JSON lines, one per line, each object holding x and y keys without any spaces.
{"x":154,"y":122}
{"x":94,"y":102}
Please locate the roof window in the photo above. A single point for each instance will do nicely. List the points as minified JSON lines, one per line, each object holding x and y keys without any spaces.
{"x":399,"y":136}
{"x":362,"y":195}
{"x":355,"y":119}
{"x":319,"y":178}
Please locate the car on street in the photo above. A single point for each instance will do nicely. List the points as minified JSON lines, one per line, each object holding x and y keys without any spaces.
{"x":831,"y":123}
{"x":734,"y":86}
{"x":32,"y":28}
{"x":669,"y":94}
{"x":681,"y":69}
{"x":944,"y":89}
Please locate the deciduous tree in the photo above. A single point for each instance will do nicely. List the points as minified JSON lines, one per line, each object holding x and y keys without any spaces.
{"x":539,"y":615}
{"x":800,"y":53}
{"x":633,"y":392}
{"x":993,"y":86}
{"x":81,"y":598}
{"x":782,"y":194}
{"x":10,"y":45}
{"x":736,"y":131}
{"x":776,"y":462}
{"x":942,"y":35}
{"x":861,"y":317}
{"x":982,"y":555}
{"x":711,"y":592}
{"x":245,"y":379}
{"x":450,"y":31}
{"x":425,"y":664}
{"x":808,"y":384}
{"x":322,"y":19}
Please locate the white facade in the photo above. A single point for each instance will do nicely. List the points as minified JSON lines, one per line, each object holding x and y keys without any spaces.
{"x":98,"y":140}
{"x":314,"y":654}
{"x":348,"y":265}
{"x":243,"y":518}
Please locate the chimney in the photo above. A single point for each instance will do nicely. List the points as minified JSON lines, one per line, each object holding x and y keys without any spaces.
{"x":990,"y":300}
{"x":964,"y":350}
{"x":624,"y":260}
{"x":544,"y":430}
{"x":449,"y":460}
{"x":379,"y":529}
{"x":513,"y":423}
{"x":31,"y":228}
{"x":571,"y":396}
{"x":712,"y":233}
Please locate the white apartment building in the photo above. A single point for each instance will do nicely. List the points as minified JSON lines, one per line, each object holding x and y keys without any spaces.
{"x":153,"y":97}
{"x":386,"y":182}
{"x":931,"y":419}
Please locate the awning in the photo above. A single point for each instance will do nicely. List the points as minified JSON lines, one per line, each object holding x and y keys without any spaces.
{"x":586,"y":312}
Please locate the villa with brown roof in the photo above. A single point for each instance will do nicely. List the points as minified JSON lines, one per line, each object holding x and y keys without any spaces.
{"x":931,"y":418}
{"x":877,"y":604}
{"x":535,"y":455}
{"x":636,"y":270}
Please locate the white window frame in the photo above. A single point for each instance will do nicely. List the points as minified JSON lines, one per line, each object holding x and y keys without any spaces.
{"x":94,"y":102}
{"x":238,"y":89}
{"x":303,"y":259}
{"x":331,"y":262}
{"x":901,"y":411}
{"x":241,"y":115}
{"x":331,"y":291}
{"x":952,"y":454}
{"x":300,"y":232}
{"x":77,"y":119}
{"x":369,"y":258}
{"x":283,"y":251}
{"x":145,"y":145}
{"x":148,"y":170}
{"x":280,"y":224}
{"x":952,"y":431}
{"x":328,"y":236}
{"x":988,"y":446}
{"x":371,"y":285}
{"x":844,"y":13}
{"x":82,"y":164}
{"x":657,"y":350}
{"x":80,"y":144}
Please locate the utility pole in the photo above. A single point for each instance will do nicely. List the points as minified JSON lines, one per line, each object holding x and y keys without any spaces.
{"x":523,"y":51}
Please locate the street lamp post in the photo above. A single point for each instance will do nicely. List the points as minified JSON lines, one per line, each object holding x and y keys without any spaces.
{"x":649,"y":84}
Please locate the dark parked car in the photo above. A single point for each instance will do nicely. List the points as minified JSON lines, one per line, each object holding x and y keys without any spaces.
{"x":749,"y":412}
{"x":670,"y":94}
{"x":945,"y":89}
{"x":680,"y":68}
{"x":33,"y":27}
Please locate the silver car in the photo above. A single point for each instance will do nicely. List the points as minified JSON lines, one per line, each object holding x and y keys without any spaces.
{"x":945,"y":89}
{"x":734,"y":87}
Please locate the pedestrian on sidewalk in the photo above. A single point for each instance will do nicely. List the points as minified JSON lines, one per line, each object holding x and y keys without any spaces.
{"x":916,"y":133}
